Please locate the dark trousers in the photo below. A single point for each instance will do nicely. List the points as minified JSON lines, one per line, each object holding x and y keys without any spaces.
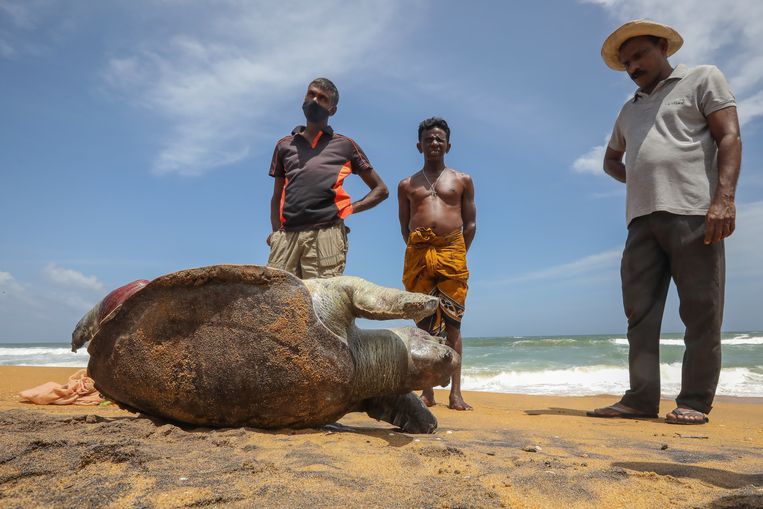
{"x":661,"y":245}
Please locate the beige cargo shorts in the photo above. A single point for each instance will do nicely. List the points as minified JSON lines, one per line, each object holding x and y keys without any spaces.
{"x":311,"y":253}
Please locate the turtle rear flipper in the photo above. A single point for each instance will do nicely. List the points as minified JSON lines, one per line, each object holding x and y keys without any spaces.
{"x":405,"y":411}
{"x":88,"y":326}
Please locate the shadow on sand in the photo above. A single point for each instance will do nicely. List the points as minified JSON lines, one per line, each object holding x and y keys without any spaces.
{"x":557,"y":411}
{"x":574,"y":412}
{"x":748,"y":500}
{"x":715,"y":476}
{"x":394,"y":437}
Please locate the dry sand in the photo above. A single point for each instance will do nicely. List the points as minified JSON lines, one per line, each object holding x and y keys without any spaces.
{"x":104,"y":456}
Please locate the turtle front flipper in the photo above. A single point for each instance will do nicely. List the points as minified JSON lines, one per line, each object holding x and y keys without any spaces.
{"x":379,"y":303}
{"x":338,"y":301}
{"x":406,"y":411}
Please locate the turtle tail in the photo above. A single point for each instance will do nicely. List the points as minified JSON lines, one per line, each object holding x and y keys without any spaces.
{"x":405,"y":411}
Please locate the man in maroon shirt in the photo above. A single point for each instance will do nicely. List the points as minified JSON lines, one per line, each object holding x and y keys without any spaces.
{"x":309,"y":203}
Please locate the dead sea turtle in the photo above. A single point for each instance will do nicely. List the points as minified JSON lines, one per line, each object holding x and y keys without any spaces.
{"x":244,"y":345}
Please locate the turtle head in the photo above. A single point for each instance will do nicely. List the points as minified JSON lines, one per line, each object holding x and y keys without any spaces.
{"x":89,"y":324}
{"x":431,"y":362}
{"x":86,"y":328}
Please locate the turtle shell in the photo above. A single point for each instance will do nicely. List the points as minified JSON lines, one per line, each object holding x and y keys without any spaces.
{"x":227,"y":345}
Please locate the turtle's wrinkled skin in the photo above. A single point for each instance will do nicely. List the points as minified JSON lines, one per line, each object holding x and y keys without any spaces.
{"x":244,"y":345}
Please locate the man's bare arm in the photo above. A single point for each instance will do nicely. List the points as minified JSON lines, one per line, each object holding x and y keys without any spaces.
{"x":404,"y":209}
{"x":275,"y":206}
{"x":378,"y":192}
{"x":613,"y":164}
{"x":468,"y":211}
{"x":720,"y":220}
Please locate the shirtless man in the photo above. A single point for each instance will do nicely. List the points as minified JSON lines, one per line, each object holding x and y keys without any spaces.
{"x":438,"y":220}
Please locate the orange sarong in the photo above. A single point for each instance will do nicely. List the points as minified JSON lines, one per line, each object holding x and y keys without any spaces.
{"x":436,"y":265}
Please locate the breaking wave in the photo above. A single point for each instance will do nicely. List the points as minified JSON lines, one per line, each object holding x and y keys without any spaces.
{"x":602,"y":379}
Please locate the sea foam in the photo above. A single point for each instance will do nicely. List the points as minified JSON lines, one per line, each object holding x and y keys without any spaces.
{"x":40,"y":351}
{"x":743,"y":339}
{"x":43,"y":356}
{"x":601,"y":379}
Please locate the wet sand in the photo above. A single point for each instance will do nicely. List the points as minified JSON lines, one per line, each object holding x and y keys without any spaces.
{"x":77,"y":456}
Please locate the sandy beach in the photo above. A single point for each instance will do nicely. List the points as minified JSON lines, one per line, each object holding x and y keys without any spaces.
{"x":511,"y":451}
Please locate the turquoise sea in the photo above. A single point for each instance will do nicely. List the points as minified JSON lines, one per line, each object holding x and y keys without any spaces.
{"x":563,"y":365}
{"x":584,"y":365}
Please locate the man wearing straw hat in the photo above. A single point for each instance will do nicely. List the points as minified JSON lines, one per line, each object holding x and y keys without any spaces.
{"x":679,"y":134}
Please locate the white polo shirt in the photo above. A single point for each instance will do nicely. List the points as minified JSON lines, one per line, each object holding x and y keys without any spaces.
{"x":670,"y":155}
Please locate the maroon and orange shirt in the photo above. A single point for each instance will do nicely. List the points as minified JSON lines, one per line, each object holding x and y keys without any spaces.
{"x":314,"y":173}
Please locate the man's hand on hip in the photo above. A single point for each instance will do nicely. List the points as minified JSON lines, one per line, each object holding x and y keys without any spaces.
{"x":720,"y":220}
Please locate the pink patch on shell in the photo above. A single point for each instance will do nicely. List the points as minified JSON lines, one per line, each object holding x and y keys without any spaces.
{"x":118,"y":296}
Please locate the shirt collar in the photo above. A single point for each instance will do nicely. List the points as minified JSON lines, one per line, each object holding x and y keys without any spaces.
{"x":678,"y":73}
{"x":326,"y":130}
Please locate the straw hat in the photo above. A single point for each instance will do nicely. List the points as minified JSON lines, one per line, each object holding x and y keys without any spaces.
{"x":610,"y":50}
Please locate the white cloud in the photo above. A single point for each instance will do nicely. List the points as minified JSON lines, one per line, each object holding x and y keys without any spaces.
{"x":592,"y":161}
{"x":21,"y":13}
{"x":71,"y":278}
{"x":596,"y":262}
{"x":18,"y":17}
{"x":726,"y":33}
{"x":215,"y":83}
{"x":6,"y":50}
{"x":40,"y":311}
{"x":8,"y":284}
{"x":76,"y":302}
{"x":599,"y":262}
{"x":750,"y":108}
{"x":743,"y":254}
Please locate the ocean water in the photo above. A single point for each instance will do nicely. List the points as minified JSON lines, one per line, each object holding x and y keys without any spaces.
{"x":587,"y":365}
{"x":561,"y":365}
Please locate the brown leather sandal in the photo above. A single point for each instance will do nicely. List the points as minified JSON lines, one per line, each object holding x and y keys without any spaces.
{"x":617,"y":411}
{"x":680,"y":416}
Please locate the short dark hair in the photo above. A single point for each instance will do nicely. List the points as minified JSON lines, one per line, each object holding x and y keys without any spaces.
{"x":327,"y":85}
{"x":435,"y":122}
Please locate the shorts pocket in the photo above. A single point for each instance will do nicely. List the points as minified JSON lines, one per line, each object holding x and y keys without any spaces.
{"x":331,"y":246}
{"x":278,"y":251}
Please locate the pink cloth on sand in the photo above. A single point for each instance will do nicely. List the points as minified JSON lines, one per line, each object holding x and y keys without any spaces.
{"x":79,"y":390}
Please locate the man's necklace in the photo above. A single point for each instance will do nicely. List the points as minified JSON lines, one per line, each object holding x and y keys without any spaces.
{"x":433,"y":185}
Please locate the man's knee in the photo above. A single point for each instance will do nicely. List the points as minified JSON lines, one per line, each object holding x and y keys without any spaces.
{"x":452,"y":332}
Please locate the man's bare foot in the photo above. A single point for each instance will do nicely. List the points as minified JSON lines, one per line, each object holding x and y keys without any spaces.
{"x":457,"y":403}
{"x":683,"y":415}
{"x":427,"y":396}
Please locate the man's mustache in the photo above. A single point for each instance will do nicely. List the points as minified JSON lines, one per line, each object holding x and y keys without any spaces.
{"x":637,"y":74}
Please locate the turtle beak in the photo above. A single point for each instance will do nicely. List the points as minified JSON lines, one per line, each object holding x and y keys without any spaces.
{"x":432,"y":363}
{"x":86,"y":328}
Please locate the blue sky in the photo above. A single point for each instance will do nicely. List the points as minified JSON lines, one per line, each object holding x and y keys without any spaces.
{"x":136,"y":136}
